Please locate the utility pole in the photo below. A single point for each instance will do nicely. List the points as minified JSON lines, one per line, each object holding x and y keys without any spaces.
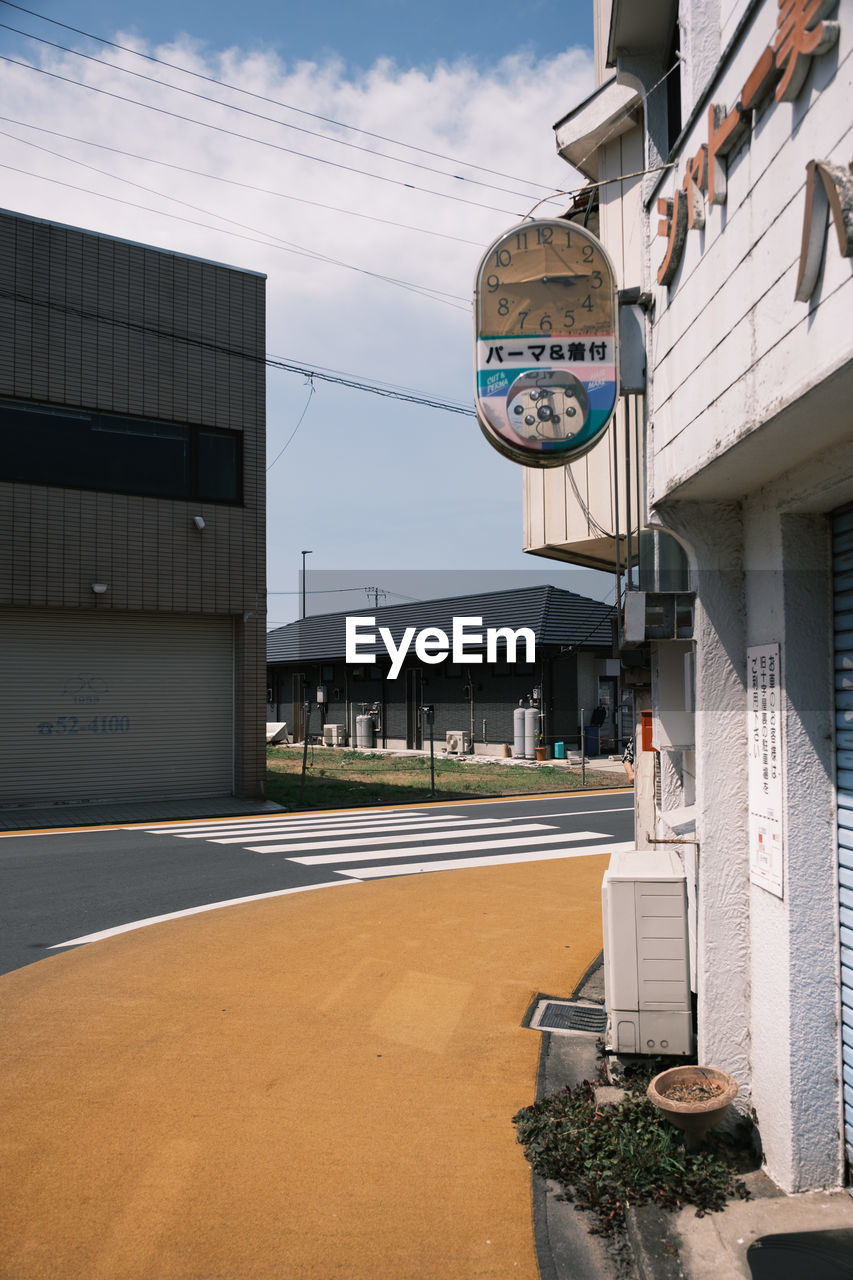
{"x":306,"y":711}
{"x":304,"y":554}
{"x":429,"y":716}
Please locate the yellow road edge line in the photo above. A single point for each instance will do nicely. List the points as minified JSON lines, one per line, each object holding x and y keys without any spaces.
{"x":302,"y":813}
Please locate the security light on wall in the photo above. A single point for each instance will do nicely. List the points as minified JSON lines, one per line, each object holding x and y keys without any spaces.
{"x":100,"y":587}
{"x":198,"y":521}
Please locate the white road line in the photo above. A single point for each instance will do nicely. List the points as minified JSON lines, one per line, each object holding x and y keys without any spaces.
{"x":312,"y":833}
{"x":296,"y":827}
{"x":209,"y":829}
{"x":410,"y":837}
{"x":499,"y":860}
{"x":464,"y":846}
{"x":574,"y":813}
{"x":292,"y":821}
{"x":191,"y":911}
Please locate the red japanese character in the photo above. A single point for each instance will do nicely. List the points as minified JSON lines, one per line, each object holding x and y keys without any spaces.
{"x":801,"y":34}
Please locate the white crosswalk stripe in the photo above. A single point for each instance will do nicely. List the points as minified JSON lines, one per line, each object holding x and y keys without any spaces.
{"x":357,"y":845}
{"x":461,"y":846}
{"x":463,"y":864}
{"x":211,"y":829}
{"x":311,"y":833}
{"x":408,"y":838}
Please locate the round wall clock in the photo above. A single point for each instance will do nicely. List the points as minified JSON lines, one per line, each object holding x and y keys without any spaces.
{"x":546,"y":339}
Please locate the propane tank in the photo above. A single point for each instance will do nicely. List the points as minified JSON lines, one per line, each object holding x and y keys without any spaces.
{"x":518,"y":733}
{"x":531,"y":732}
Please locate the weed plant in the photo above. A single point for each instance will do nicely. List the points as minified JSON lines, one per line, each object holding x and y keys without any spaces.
{"x":609,"y":1156}
{"x":347,"y":779}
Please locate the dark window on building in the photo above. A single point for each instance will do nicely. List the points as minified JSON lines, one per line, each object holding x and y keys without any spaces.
{"x":673,"y":91}
{"x":503,"y":668}
{"x":79,"y":450}
{"x":217,"y":472}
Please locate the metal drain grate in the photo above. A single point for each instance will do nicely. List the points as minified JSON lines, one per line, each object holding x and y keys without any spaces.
{"x":568,"y":1015}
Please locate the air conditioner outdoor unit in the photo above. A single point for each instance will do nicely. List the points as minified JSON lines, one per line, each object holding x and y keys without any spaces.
{"x":334,"y":735}
{"x":646,"y":954}
{"x":457,"y":742}
{"x":657,"y":615}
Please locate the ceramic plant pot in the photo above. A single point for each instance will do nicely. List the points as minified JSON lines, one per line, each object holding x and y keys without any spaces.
{"x":541,"y":753}
{"x":694,"y":1118}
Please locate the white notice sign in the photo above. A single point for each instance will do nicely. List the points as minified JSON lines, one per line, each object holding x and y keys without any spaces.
{"x":764,"y":726}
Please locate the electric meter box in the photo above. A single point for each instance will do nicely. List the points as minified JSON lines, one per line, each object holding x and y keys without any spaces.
{"x":646,"y":954}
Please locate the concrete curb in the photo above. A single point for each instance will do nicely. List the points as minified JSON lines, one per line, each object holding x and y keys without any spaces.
{"x":565,"y":1249}
{"x":654,"y":1243}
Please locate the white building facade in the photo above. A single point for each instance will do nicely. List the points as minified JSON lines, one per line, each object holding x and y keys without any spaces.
{"x":738,"y":237}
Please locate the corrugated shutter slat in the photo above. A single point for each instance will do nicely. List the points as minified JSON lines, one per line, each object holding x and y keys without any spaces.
{"x":842,"y":529}
{"x":107,"y":705}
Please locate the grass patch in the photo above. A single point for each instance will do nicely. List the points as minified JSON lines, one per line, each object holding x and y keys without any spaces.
{"x":607,"y":1157}
{"x":339,"y":778}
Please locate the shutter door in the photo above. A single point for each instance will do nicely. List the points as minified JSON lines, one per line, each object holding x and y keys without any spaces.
{"x":842,"y":550}
{"x":104,"y":706}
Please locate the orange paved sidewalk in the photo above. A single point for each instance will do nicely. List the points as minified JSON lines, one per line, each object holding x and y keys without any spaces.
{"x":303,"y":1088}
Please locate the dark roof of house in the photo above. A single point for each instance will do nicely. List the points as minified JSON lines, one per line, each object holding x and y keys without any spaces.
{"x":556,"y":617}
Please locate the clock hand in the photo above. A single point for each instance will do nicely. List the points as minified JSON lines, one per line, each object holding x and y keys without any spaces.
{"x":564,"y":280}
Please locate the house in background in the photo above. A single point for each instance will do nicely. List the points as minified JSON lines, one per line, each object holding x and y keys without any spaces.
{"x":574,"y":670}
{"x":132,"y":559}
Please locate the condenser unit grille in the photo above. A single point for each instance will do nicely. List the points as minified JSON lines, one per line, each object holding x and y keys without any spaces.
{"x":569,"y":1015}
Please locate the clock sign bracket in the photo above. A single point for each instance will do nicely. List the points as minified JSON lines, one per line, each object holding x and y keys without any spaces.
{"x":546,"y":342}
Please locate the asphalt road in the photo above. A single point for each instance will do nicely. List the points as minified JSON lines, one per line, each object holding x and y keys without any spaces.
{"x":63,"y":886}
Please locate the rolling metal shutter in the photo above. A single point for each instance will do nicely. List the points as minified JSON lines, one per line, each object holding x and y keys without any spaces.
{"x":842,"y":552}
{"x":102,"y":705}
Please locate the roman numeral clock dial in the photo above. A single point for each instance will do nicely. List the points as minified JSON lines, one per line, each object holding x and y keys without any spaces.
{"x":546,"y":342}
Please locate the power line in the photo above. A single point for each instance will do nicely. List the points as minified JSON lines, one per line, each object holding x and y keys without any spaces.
{"x":274,"y":362}
{"x":244,"y":137}
{"x":622,"y":177}
{"x":296,"y":428}
{"x":257,"y":115}
{"x":318,"y":369}
{"x":377,"y":389}
{"x":436,"y":155}
{"x":279,"y":242}
{"x":425,"y":291}
{"x":231,"y":182}
{"x":332,"y":591}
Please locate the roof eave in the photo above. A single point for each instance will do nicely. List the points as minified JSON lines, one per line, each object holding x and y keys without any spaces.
{"x":612,"y":110}
{"x":638,"y":30}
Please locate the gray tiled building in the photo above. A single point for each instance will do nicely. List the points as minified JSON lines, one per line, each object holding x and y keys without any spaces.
{"x":132,"y":521}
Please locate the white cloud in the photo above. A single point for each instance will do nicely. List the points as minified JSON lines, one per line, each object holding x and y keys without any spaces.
{"x":350,"y":444}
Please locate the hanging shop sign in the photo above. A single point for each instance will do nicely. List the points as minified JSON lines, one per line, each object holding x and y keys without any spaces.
{"x":546,"y":342}
{"x":802,"y":33}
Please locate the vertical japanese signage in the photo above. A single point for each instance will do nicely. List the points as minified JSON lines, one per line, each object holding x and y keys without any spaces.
{"x":764,"y":727}
{"x":802,"y":34}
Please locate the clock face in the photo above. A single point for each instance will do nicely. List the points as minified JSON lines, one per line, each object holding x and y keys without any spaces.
{"x":546,"y":277}
{"x":546,"y":337}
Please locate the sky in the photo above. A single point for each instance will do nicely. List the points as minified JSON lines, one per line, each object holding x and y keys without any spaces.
{"x":363,"y":156}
